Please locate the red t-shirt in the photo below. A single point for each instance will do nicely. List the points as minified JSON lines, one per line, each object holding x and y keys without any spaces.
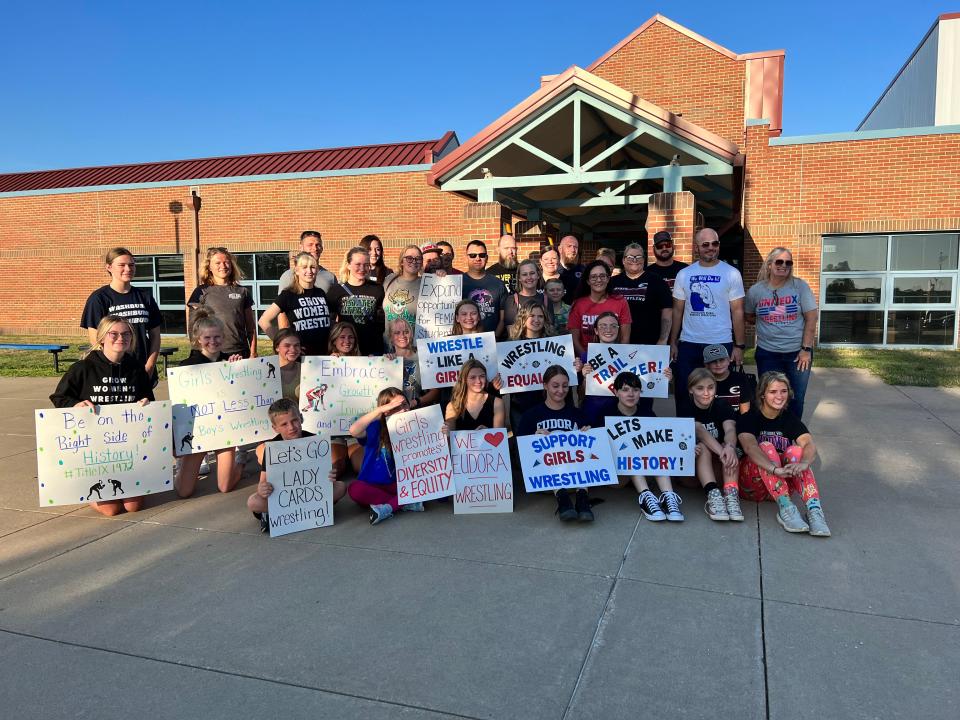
{"x":585,"y":311}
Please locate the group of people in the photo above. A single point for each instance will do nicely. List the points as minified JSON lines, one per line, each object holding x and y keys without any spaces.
{"x":749,"y":445}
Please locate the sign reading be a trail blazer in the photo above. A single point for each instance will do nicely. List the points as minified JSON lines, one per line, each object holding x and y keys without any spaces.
{"x":523,"y":362}
{"x":606,"y":361}
{"x":566,"y":460}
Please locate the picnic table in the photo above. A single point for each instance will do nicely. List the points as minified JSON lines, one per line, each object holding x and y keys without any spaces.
{"x":53,"y":349}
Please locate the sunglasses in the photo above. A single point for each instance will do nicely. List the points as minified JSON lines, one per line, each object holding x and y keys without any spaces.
{"x":781,"y":263}
{"x":663,"y":244}
{"x":633,"y":258}
{"x":712,"y":243}
{"x":474,"y":256}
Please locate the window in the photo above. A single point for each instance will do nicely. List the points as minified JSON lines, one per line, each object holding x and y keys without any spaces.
{"x":162,"y":275}
{"x":904,"y":288}
{"x":261,"y":273}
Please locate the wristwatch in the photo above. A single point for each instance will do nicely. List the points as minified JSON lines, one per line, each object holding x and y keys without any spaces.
{"x":806,"y":348}
{"x":740,"y":345}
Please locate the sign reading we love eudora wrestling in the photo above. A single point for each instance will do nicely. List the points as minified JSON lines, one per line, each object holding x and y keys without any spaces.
{"x":649,"y":362}
{"x":421,"y":455}
{"x":566,"y":460}
{"x":302,"y":496}
{"x":523,"y":362}
{"x":481,"y":471}
{"x":652,"y":446}
{"x":441,"y":359}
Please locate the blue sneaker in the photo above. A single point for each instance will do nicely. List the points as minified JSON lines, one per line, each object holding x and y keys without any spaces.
{"x":672,"y":501}
{"x":789,"y":517}
{"x":650,"y":507}
{"x":379,"y":513}
{"x":412,"y":507}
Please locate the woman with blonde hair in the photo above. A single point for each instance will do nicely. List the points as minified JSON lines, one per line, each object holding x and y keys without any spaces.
{"x":221,"y":293}
{"x":302,"y":307}
{"x":472,"y":405}
{"x":400,"y":339}
{"x":359,"y":300}
{"x":529,"y":292}
{"x":402,"y":288}
{"x":532,"y":322}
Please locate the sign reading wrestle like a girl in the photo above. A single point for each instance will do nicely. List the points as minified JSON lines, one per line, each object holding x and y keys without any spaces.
{"x":607,"y":360}
{"x":113,"y":452}
{"x":222,"y":405}
{"x":335,"y":391}
{"x":442,"y":358}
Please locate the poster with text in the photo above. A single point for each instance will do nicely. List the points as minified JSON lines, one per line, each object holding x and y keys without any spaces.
{"x":421,"y":455}
{"x":335,"y":391}
{"x":302,"y":496}
{"x":222,"y":405}
{"x":481,"y":471}
{"x":566,"y":460}
{"x":115,"y":453}
{"x":647,"y":361}
{"x":442,"y":358}
{"x":438,"y":297}
{"x":652,"y":446}
{"x":523,"y":362}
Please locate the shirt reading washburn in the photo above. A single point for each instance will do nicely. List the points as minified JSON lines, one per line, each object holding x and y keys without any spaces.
{"x":137,"y":307}
{"x":309,"y":316}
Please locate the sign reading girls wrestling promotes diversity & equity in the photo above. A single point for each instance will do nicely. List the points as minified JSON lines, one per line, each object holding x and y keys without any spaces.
{"x":302,"y":496}
{"x":113,"y":452}
{"x":566,"y":460}
{"x":221,"y":405}
{"x":481,"y":471}
{"x":435,"y":304}
{"x":420,"y":455}
{"x":442,"y":358}
{"x":606,"y":361}
{"x":335,"y":391}
{"x":523,"y":362}
{"x":652,"y":446}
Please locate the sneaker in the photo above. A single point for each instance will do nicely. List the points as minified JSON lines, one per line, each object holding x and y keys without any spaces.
{"x":732,"y":501}
{"x":264,"y":520}
{"x":565,"y":507}
{"x":818,"y":524}
{"x":715,"y":508}
{"x":789,"y":518}
{"x":379,"y":513}
{"x":650,"y":507}
{"x":240,"y":459}
{"x":412,"y":507}
{"x":208,"y":460}
{"x":584,"y":513}
{"x":672,"y":502}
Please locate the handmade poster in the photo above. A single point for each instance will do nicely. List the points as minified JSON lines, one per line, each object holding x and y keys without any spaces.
{"x":481,"y":471}
{"x":647,"y":361}
{"x":335,"y":391}
{"x":652,"y":446}
{"x":566,"y":460}
{"x":302,"y":496}
{"x":222,"y":405}
{"x":438,"y":297}
{"x":523,"y":362}
{"x":118,"y":452}
{"x":421,"y":455}
{"x":442,"y":358}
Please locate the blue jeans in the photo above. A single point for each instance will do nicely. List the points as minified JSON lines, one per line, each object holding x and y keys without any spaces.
{"x":787,"y":364}
{"x":689,"y":358}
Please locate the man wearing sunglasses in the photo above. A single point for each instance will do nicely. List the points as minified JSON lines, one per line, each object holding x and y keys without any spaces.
{"x":707,"y":310}
{"x":487,"y":291}
{"x":310,"y":242}
{"x":446,"y":255}
{"x":665,"y":267}
{"x":648,"y":296}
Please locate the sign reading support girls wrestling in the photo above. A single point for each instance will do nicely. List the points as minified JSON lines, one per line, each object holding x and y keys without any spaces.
{"x":302,"y":496}
{"x":116,"y":453}
{"x":435,"y":304}
{"x":523,"y":362}
{"x":652,"y":446}
{"x":222,"y":405}
{"x":647,"y":361}
{"x":335,"y":391}
{"x":566,"y":460}
{"x":481,"y":472}
{"x":421,"y":455}
{"x":441,"y":359}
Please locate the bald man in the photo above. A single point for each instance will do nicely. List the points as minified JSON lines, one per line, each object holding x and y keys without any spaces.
{"x":570,"y":269}
{"x":505,"y":269}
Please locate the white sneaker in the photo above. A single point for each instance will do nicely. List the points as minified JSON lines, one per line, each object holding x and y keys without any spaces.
{"x":715,"y":508}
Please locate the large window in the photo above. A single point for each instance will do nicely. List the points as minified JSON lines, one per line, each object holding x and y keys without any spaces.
{"x":261,"y":273}
{"x":890,"y":289}
{"x":162,"y":275}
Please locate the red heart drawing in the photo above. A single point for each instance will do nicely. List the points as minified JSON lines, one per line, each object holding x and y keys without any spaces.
{"x":494,"y":438}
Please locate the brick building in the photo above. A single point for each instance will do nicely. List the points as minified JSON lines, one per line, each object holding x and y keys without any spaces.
{"x":665,"y":130}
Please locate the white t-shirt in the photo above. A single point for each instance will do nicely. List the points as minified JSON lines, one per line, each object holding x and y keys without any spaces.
{"x":707,"y":293}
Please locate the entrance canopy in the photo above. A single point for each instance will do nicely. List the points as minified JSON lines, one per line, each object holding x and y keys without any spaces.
{"x":585,"y":153}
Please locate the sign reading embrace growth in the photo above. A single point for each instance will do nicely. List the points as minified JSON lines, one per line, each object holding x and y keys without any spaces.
{"x":566,"y":460}
{"x":335,"y":391}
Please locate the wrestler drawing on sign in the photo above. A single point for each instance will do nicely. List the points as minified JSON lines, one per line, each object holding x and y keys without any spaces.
{"x":315,"y":398}
{"x":117,"y":487}
{"x":96,"y":489}
{"x":186,"y":440}
{"x":271,"y":371}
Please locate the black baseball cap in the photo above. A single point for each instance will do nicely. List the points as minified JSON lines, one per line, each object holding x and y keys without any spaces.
{"x":662,"y":237}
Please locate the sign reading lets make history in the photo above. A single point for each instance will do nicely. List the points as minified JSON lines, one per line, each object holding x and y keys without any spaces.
{"x":652,"y":446}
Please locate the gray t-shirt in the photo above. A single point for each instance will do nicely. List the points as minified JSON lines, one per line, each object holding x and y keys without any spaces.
{"x":229,"y":303}
{"x":780,"y":314}
{"x":400,"y":299}
{"x":489,"y":293}
{"x":324,"y":280}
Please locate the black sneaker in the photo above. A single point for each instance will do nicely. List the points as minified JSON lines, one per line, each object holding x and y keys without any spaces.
{"x":264,"y":522}
{"x":565,"y":507}
{"x":584,"y":513}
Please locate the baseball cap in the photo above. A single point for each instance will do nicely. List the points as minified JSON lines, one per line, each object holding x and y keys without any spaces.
{"x":712,"y":353}
{"x":431,"y":247}
{"x":662,"y":237}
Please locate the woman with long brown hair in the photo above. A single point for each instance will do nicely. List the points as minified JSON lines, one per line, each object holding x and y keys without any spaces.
{"x":378,"y":270}
{"x":472,"y":405}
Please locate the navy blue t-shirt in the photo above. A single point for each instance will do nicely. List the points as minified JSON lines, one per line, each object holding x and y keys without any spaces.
{"x":540,"y":417}
{"x":137,"y":307}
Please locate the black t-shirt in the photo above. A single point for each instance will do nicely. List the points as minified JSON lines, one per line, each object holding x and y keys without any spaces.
{"x":735,"y":389}
{"x":363,"y":306}
{"x":489,"y":294}
{"x":541,"y":417}
{"x":137,"y":307}
{"x":309,"y":316}
{"x":648,"y":296}
{"x":667,"y":274}
{"x":507,"y":277}
{"x":263,"y":464}
{"x":713,"y":417}
{"x":782,"y":430}
{"x":512,"y":304}
{"x":196,"y":357}
{"x":570,"y":277}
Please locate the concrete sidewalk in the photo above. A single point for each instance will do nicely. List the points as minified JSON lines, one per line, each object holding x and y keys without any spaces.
{"x":184,"y":610}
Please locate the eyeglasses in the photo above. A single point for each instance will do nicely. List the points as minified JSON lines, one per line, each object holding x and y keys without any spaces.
{"x":781,"y":263}
{"x":712,"y":243}
{"x":114,"y":335}
{"x":474,"y":256}
{"x":608,"y":326}
{"x":446,"y":254}
{"x":633,"y":258}
{"x":412,"y":258}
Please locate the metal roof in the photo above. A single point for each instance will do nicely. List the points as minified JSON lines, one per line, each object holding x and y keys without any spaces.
{"x":297,"y":161}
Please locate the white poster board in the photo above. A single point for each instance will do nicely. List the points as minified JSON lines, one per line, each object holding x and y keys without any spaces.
{"x":302,"y":496}
{"x":481,"y":471}
{"x":438,"y":297}
{"x":566,"y":460}
{"x":442,"y":358}
{"x":646,"y":361}
{"x":222,"y":405}
{"x":115,"y":453}
{"x":335,"y":391}
{"x":421,"y":455}
{"x":652,"y":446}
{"x":521,"y":363}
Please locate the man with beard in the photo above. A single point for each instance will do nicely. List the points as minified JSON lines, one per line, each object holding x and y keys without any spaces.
{"x":486,"y":291}
{"x":665,"y":267}
{"x":446,"y":255}
{"x":310,"y":242}
{"x":651,"y":305}
{"x":506,"y":269}
{"x":570,"y":270}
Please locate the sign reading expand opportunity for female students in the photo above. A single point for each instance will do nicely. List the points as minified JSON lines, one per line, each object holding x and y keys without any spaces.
{"x":302,"y":496}
{"x":441,"y":359}
{"x":522,"y":362}
{"x":652,"y":446}
{"x":435,"y":304}
{"x":221,"y":405}
{"x":421,"y":455}
{"x":335,"y":391}
{"x":647,"y":361}
{"x":113,"y":453}
{"x":566,"y":460}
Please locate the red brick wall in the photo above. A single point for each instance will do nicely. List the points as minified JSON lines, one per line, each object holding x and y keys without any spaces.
{"x":675,"y":213}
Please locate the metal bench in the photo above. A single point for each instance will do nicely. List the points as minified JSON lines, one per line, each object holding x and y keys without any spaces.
{"x":54,"y":350}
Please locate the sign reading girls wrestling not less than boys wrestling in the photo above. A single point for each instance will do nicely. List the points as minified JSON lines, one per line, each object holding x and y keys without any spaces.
{"x":421,"y":455}
{"x":523,"y":362}
{"x":481,"y":471}
{"x":113,"y":452}
{"x":606,"y":361}
{"x":435,"y":304}
{"x":652,"y":446}
{"x":302,"y":496}
{"x":224,"y":404}
{"x":566,"y":460}
{"x":442,"y":358}
{"x":335,"y":391}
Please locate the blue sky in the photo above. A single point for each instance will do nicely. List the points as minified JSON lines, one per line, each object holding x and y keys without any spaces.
{"x":101,"y":82}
